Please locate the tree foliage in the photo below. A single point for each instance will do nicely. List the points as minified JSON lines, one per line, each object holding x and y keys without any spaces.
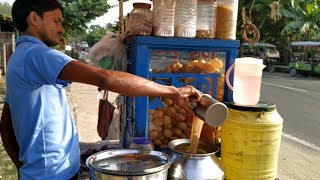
{"x":5,"y":9}
{"x":96,"y":32}
{"x":78,"y":13}
{"x":303,"y":18}
{"x":300,"y":18}
{"x":297,"y":16}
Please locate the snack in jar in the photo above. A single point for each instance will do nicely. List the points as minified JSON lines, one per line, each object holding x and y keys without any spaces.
{"x":185,"y":20}
{"x":140,"y":20}
{"x":227,"y":14}
{"x":206,"y":19}
{"x":141,"y":143}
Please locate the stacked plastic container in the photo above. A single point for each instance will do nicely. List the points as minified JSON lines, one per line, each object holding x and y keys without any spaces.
{"x":227,"y":13}
{"x":163,"y":17}
{"x":185,"y":20}
{"x":206,"y":19}
{"x":139,"y":21}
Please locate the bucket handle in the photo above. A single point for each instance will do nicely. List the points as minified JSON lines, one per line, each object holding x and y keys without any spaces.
{"x":228,"y":76}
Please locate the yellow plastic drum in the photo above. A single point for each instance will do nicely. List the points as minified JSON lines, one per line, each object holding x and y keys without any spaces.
{"x":250,"y":142}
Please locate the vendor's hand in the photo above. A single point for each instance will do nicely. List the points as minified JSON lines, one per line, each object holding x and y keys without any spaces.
{"x":187,"y":92}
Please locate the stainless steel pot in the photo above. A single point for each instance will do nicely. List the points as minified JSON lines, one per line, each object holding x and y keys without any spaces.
{"x":203,"y":165}
{"x":128,"y":164}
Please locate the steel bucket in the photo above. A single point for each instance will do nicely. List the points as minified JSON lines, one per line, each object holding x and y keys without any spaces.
{"x":200,"y":166}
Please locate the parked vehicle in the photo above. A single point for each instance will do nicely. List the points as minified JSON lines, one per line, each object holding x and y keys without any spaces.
{"x":305,"y":58}
{"x":84,"y":44}
{"x":265,"y":51}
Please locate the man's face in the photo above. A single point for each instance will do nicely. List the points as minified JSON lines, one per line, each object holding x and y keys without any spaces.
{"x":51,"y":30}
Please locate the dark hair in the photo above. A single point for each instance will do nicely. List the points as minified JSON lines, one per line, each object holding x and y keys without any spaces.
{"x":22,"y":8}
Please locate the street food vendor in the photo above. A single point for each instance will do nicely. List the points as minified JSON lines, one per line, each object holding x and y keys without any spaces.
{"x":37,"y":127}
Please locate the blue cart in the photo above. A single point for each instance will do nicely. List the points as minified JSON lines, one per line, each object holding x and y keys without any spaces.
{"x":150,"y":57}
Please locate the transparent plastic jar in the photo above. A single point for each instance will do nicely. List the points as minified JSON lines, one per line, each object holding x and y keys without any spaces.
{"x":227,"y":14}
{"x":185,"y":20}
{"x":163,"y":17}
{"x":206,"y":19}
{"x":140,"y":20}
{"x":141,"y":143}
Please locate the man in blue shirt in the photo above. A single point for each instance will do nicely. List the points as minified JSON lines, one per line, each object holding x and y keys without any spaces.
{"x":37,"y":127}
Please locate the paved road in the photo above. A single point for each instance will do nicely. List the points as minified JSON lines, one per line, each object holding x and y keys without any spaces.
{"x":298,"y":102}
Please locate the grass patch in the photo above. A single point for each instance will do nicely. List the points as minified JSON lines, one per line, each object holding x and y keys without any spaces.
{"x":2,"y":87}
{"x":8,"y":170}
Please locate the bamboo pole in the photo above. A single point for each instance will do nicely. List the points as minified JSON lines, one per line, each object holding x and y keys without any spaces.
{"x":4,"y":58}
{"x":121,"y":25}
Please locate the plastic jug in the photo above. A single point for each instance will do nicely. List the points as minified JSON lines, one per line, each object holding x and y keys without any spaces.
{"x":246,"y":81}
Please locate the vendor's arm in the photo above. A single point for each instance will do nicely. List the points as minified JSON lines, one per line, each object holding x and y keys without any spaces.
{"x":124,"y":83}
{"x":7,"y":135}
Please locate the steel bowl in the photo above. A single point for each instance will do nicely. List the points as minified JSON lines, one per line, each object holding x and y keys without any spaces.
{"x":128,"y":164}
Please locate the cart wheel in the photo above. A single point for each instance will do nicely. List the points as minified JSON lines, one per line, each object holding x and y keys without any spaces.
{"x":293,"y":72}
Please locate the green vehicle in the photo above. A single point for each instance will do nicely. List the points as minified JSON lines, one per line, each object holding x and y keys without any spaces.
{"x":305,"y":58}
{"x":265,"y":51}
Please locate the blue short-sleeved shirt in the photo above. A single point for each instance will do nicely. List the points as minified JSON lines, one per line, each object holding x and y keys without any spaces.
{"x":41,"y":118}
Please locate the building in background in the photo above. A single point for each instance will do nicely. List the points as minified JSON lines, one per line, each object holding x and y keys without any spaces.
{"x":7,"y":42}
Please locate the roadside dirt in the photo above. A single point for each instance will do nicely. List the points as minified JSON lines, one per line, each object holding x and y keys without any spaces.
{"x":298,"y":162}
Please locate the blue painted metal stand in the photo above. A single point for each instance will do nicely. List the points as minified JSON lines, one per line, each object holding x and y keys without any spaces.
{"x":134,"y":122}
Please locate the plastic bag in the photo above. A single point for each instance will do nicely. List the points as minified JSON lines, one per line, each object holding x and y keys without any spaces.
{"x":105,"y":116}
{"x":120,"y":55}
{"x":109,"y":51}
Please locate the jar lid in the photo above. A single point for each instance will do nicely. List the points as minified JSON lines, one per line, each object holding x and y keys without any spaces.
{"x":142,"y":5}
{"x":141,"y":140}
{"x":248,"y":60}
{"x":227,"y":1}
{"x":260,"y":107}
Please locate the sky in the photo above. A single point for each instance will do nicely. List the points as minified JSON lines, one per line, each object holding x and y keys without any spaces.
{"x":112,"y":15}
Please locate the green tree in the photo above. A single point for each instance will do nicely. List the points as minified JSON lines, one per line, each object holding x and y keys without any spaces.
{"x":95,"y":33}
{"x":303,"y":18}
{"x":78,"y":13}
{"x":272,"y":31}
{"x":5,"y":9}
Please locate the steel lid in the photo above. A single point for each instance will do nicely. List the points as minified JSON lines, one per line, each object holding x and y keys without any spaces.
{"x":260,"y":107}
{"x":124,"y":162}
